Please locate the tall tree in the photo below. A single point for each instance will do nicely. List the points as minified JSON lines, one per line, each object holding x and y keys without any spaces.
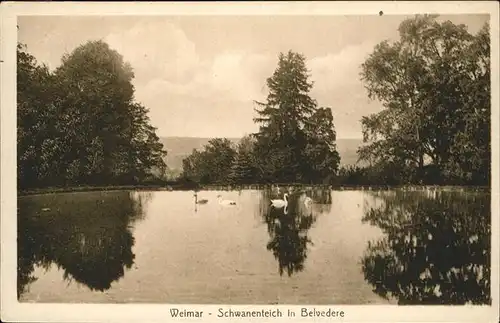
{"x":99,"y":92}
{"x":283,"y":138}
{"x":282,"y":117}
{"x":423,"y":81}
{"x":100,"y":100}
{"x":80,"y":123}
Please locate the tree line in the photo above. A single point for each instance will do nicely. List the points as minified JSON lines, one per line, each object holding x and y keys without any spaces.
{"x":434,"y":128}
{"x":80,"y":125}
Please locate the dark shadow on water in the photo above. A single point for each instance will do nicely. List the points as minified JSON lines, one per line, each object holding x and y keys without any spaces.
{"x":288,"y":227}
{"x":85,"y":234}
{"x":435,"y":250}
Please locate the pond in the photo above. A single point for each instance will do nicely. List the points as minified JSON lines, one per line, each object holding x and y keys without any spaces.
{"x":344,"y":247}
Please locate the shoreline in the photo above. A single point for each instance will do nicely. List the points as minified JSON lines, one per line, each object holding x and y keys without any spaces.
{"x":73,"y":189}
{"x":182,"y":187}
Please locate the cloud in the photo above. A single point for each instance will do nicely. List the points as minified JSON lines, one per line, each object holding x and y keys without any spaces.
{"x":216,"y":98}
{"x":337,"y":85}
{"x":229,"y":76}
{"x":341,"y":69}
{"x":166,"y":61}
{"x":221,"y":89}
{"x":156,"y":49}
{"x":190,"y":91}
{"x":239,"y":74}
{"x":178,"y":83}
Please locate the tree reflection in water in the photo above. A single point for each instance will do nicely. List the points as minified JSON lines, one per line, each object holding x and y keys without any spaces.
{"x":85,"y":234}
{"x":436,"y":248}
{"x":288,"y":227}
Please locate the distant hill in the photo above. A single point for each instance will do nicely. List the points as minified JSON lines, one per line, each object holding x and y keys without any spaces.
{"x":180,"y":147}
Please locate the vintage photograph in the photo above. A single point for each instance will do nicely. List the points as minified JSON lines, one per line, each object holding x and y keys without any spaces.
{"x":254,"y":159}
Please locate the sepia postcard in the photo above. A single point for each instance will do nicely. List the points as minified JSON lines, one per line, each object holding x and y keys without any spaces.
{"x":250,"y":161}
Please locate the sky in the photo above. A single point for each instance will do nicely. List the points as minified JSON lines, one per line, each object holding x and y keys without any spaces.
{"x":199,"y":75}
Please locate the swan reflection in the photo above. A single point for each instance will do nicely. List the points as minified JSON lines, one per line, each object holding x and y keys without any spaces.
{"x":288,"y":223}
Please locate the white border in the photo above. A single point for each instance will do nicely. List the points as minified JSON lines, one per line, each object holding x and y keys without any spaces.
{"x":11,"y":310}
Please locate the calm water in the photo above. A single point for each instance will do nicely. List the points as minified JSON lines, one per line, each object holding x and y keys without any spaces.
{"x":348,"y":247}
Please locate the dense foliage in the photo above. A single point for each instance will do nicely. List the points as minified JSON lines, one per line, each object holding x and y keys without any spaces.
{"x":80,"y":124}
{"x":245,"y":169}
{"x":434,"y":84}
{"x":296,"y":139}
{"x":212,"y":165}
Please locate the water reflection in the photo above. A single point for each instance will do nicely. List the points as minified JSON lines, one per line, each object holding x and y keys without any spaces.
{"x":87,"y":235}
{"x":288,"y":227}
{"x":321,"y":200}
{"x":436,"y":248}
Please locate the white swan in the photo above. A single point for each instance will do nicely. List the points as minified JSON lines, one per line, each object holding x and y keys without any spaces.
{"x":280,"y":203}
{"x":225,"y":202}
